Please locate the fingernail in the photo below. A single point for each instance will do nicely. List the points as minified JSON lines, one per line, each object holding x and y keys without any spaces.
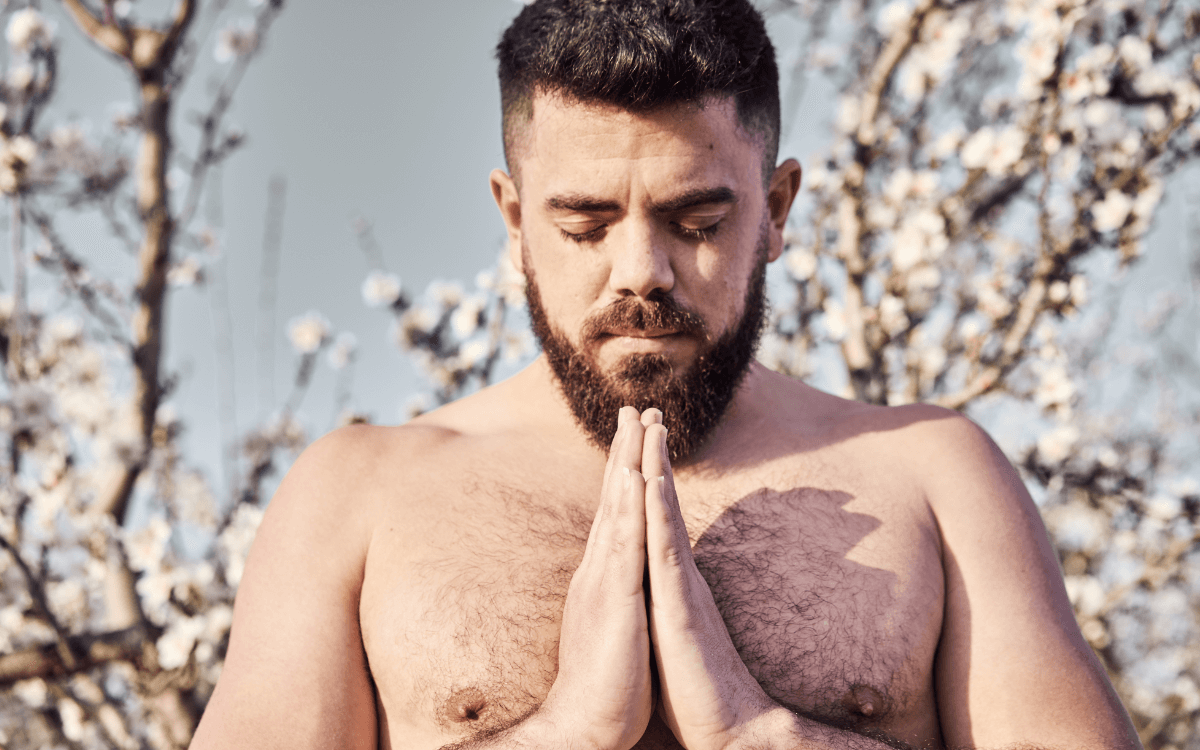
{"x":657,"y":416}
{"x":662,"y":480}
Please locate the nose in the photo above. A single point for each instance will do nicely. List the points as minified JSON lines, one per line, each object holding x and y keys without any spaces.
{"x":641,"y":261}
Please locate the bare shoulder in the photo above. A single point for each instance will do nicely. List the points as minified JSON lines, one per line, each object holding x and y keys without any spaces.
{"x":351,"y":464}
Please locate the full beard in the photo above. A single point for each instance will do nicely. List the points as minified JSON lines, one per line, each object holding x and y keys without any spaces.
{"x":692,"y":403}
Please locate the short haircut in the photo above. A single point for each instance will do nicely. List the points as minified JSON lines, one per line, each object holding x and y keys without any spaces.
{"x":640,"y":55}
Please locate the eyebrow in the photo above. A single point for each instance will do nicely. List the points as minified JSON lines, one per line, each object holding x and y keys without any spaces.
{"x":692,"y":198}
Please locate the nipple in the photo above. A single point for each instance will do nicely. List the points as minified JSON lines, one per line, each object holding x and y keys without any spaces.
{"x":863,"y":700}
{"x":465,"y":705}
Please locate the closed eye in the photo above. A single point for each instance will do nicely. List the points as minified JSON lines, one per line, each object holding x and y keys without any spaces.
{"x":594,"y":234}
{"x":696,"y":233}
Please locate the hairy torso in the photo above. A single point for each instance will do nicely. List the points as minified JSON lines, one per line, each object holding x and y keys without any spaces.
{"x":825,"y":565}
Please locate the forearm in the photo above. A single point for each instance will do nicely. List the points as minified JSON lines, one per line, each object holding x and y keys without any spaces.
{"x":781,"y":729}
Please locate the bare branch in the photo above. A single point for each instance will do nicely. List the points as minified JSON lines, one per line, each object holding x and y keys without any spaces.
{"x":128,"y":645}
{"x":108,"y":37}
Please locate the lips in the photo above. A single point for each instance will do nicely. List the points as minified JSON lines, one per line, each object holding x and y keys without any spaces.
{"x":653,"y":333}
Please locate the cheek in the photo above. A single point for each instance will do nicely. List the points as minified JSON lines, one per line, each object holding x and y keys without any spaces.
{"x":569,"y":281}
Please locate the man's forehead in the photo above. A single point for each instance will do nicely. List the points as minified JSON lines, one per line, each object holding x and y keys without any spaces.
{"x":699,"y":141}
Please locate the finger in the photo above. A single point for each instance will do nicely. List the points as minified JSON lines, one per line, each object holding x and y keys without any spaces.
{"x":626,"y":544}
{"x":620,"y":437}
{"x":623,"y":416}
{"x":667,"y":541}
{"x":651,"y":416}
{"x":625,"y":456}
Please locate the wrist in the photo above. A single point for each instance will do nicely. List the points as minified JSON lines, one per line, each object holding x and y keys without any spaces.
{"x":545,"y":730}
{"x":772,"y":728}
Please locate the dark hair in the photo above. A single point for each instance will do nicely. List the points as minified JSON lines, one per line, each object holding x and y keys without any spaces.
{"x":640,"y":55}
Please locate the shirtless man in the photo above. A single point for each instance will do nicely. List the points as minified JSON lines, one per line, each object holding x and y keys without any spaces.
{"x":737,"y":560}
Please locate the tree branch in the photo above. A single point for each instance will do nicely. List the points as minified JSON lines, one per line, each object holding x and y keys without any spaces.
{"x":93,"y":650}
{"x":106,"y":36}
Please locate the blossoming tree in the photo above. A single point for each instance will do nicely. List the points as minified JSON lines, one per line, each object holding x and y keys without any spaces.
{"x":109,"y":636}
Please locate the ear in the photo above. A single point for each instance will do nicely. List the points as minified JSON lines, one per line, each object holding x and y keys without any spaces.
{"x":785,"y":184}
{"x":508,"y":200}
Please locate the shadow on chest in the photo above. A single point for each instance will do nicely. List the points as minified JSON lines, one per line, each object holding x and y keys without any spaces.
{"x":477,"y":635}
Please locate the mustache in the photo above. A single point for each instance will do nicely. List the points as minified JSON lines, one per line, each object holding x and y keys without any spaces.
{"x":659,"y":311}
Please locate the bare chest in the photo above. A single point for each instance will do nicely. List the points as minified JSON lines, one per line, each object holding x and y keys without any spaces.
{"x":834,"y":609}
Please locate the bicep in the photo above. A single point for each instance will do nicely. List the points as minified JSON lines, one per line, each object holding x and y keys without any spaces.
{"x":295,"y":674}
{"x":1012,"y":667}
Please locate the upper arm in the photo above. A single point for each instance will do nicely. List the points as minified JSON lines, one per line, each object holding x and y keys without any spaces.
{"x":1012,"y":667}
{"x":295,"y":674}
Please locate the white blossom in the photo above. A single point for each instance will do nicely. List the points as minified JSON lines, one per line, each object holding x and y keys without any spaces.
{"x":217,"y":622}
{"x":1077,"y":86}
{"x":473,"y":353}
{"x":835,"y":319}
{"x":175,"y":645}
{"x":154,"y":588}
{"x":816,"y":177}
{"x":1055,"y":387}
{"x":1100,"y":113}
{"x":236,"y":539}
{"x":186,"y":272}
{"x":27,"y":29}
{"x":510,"y":282}
{"x":416,"y":321}
{"x":1134,"y":52}
{"x":931,"y":360}
{"x":146,"y":546}
{"x":849,"y":114}
{"x":1036,"y":55}
{"x":1077,"y":526}
{"x":1111,"y":212}
{"x":465,"y":319}
{"x":308,"y":332}
{"x":801,"y":263}
{"x":1164,"y":507}
{"x":924,"y":277}
{"x":20,"y":77}
{"x":1187,"y":99}
{"x":908,"y":247}
{"x":31,"y":692}
{"x":993,"y":151}
{"x":898,"y":185}
{"x":381,"y":289}
{"x":1095,"y":59}
{"x":1086,"y":594}
{"x":892,"y":315}
{"x":893,"y":17}
{"x":1155,"y":117}
{"x":71,"y":715}
{"x":948,"y":143}
{"x":485,"y":279}
{"x":68,"y":600}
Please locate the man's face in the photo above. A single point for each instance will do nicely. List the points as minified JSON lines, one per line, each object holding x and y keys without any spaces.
{"x":644,"y":238}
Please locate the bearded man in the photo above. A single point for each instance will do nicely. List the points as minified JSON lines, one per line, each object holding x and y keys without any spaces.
{"x":646,"y":539}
